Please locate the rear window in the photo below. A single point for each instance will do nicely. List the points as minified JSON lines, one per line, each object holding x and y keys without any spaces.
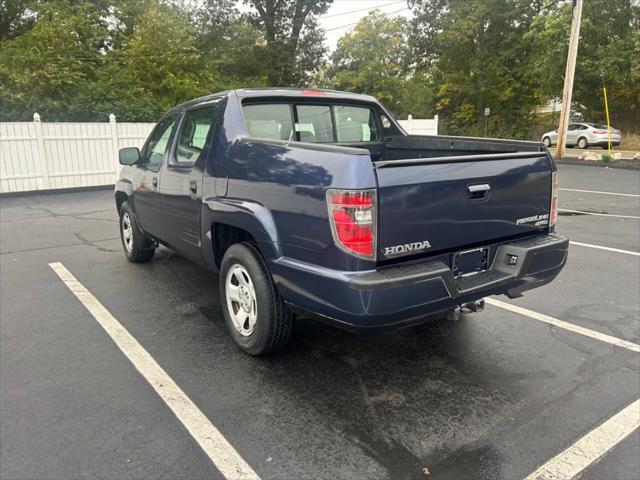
{"x":314,"y":123}
{"x":311,"y":123}
{"x":598,"y":125}
{"x":271,"y":120}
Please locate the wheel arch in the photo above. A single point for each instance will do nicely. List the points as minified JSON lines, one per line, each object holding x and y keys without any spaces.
{"x":121,"y":197}
{"x":123,"y":192}
{"x":229,"y":221}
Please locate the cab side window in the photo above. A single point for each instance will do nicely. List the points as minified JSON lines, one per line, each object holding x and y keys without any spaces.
{"x":193,"y":134}
{"x":157,"y":145}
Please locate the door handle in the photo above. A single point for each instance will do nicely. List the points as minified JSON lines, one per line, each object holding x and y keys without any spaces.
{"x":193,"y":186}
{"x":154,"y":181}
{"x":479,"y":192}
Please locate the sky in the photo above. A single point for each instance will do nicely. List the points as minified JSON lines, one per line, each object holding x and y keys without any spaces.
{"x":343,"y":14}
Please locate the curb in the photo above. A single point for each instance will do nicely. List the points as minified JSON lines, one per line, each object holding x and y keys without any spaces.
{"x":619,"y":164}
{"x":53,"y":191}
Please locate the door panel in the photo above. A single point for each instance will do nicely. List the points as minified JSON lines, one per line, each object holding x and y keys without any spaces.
{"x":147,"y":177}
{"x":181,"y":182}
{"x":572,"y":134}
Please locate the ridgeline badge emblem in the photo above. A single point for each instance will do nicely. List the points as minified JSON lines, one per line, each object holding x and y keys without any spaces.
{"x":536,"y":220}
{"x":407,"y":247}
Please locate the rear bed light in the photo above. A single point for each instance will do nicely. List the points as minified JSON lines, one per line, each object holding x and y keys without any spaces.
{"x":553,"y":210}
{"x":352,"y":215}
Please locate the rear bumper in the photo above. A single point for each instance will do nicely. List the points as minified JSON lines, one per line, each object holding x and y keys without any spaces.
{"x":395,"y":297}
{"x":602,"y":140}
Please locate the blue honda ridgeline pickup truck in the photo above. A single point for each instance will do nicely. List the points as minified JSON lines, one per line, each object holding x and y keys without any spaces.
{"x":317,"y":201}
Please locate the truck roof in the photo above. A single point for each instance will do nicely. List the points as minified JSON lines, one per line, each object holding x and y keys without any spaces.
{"x":280,"y":92}
{"x":301,"y":92}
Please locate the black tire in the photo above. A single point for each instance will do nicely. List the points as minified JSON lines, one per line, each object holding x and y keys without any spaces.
{"x":546,"y":141}
{"x":138,"y":248}
{"x":586,"y":143}
{"x":272,"y":327}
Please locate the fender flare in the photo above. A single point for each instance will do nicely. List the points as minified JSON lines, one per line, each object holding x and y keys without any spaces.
{"x":249,"y":216}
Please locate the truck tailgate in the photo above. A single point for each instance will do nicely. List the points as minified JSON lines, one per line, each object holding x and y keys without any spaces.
{"x":427,"y":207}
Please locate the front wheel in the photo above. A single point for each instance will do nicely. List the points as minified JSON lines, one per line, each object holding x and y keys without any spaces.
{"x":257,"y":318}
{"x":136,"y":245}
{"x":582,"y":143}
{"x":546,"y":141}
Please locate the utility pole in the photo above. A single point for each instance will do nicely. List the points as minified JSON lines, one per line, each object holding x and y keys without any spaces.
{"x":565,"y":112}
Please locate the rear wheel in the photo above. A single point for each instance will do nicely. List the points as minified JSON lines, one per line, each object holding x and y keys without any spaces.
{"x":136,"y":245}
{"x":546,"y":141}
{"x":582,"y":143}
{"x":257,"y":318}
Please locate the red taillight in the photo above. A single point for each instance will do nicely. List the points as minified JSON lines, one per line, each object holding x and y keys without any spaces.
{"x":599,"y":132}
{"x":553,"y":210}
{"x":352,"y":217}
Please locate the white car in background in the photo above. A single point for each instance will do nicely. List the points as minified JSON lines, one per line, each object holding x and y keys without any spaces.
{"x":584,"y":135}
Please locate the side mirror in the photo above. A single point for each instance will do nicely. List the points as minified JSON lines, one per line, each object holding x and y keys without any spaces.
{"x":129,"y":155}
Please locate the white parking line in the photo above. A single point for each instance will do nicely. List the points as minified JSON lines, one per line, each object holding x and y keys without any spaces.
{"x":598,"y":214}
{"x":609,"y":249}
{"x":602,"y":193}
{"x":618,"y":342}
{"x":222,"y":454}
{"x":590,"y":448}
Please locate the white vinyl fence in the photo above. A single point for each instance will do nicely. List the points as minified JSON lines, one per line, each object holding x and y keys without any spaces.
{"x":42,"y":156}
{"x":45,"y":156}
{"x":420,"y":126}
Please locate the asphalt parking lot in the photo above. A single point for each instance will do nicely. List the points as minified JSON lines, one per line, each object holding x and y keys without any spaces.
{"x":493,"y":395}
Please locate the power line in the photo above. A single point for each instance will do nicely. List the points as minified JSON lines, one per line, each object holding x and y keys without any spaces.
{"x":362,"y":9}
{"x":355,"y":23}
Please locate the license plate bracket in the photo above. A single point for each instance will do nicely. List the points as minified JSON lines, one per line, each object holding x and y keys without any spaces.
{"x":470,"y":262}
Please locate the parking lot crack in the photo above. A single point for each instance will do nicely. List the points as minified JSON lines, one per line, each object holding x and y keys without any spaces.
{"x":89,"y":243}
{"x":76,"y":216}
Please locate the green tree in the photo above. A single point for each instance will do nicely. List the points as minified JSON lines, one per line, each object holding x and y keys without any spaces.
{"x":14,"y":18}
{"x":45,"y":68}
{"x":372,"y":59}
{"x":231,"y":44}
{"x":293,"y":46}
{"x":475,"y":54}
{"x":608,"y":54}
{"x":156,"y":68}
